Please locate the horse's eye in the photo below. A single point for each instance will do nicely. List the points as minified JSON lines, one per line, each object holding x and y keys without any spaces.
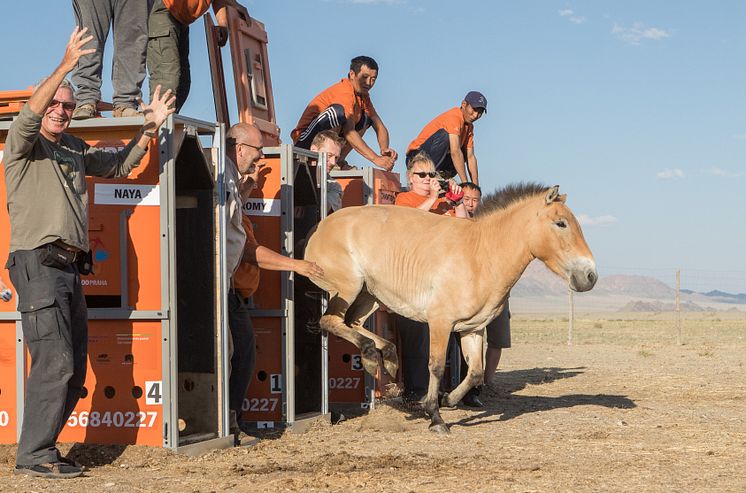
{"x":560,"y":223}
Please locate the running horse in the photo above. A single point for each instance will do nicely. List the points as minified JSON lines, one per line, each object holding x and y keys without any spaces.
{"x":455,"y":274}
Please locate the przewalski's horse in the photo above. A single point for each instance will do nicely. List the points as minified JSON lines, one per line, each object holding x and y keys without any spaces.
{"x":454,"y":274}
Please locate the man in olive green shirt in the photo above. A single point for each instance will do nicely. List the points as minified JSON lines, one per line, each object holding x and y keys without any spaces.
{"x":45,"y":173}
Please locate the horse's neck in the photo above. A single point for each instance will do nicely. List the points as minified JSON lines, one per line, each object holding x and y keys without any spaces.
{"x":504,"y":247}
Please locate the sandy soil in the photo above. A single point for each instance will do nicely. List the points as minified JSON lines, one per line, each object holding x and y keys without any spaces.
{"x":591,"y":417}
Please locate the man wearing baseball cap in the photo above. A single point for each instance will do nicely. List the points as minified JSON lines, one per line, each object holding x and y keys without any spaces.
{"x":449,"y":139}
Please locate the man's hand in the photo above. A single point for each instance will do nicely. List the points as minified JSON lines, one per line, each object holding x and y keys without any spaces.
{"x":158,"y":110}
{"x":74,"y":49}
{"x":390,"y":152}
{"x":308,"y":269}
{"x":6,"y":294}
{"x":385,"y":162}
{"x":435,"y":190}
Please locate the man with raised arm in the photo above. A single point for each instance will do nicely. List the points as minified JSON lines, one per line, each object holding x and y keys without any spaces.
{"x":45,"y":171}
{"x":346,"y":108}
{"x":449,"y":139}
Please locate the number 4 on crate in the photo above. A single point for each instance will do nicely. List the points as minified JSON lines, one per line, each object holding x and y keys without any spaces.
{"x":153,"y":394}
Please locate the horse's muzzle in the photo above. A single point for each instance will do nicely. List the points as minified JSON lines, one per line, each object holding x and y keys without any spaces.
{"x":583,"y":276}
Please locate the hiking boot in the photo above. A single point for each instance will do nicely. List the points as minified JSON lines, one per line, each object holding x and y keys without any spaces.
{"x":124,"y":111}
{"x":85,"y":111}
{"x":471,"y":399}
{"x":53,"y":470}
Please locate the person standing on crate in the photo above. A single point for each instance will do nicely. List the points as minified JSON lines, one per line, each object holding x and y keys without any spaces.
{"x":498,"y":331}
{"x":129,"y":22}
{"x":346,"y":109}
{"x":449,"y":139}
{"x":168,"y":40}
{"x":244,"y":257}
{"x":45,"y":170}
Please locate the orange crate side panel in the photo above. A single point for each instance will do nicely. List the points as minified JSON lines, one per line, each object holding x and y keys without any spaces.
{"x":8,"y":381}
{"x":346,"y":374}
{"x":124,"y":356}
{"x":263,"y":400}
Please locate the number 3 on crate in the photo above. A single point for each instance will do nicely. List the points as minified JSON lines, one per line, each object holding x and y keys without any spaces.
{"x":153,"y":395}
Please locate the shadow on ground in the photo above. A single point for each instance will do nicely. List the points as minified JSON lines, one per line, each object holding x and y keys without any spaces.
{"x":501,"y":402}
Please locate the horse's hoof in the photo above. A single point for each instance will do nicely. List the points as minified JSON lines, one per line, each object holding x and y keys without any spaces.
{"x":371,"y":366}
{"x":391,"y":368}
{"x":441,"y":429}
{"x":444,"y":402}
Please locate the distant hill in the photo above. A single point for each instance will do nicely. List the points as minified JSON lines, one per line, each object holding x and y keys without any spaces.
{"x":657,"y":306}
{"x":537,"y":280}
{"x":540,"y":289}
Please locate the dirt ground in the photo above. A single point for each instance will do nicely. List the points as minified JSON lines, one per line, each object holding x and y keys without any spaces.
{"x":609,"y":413}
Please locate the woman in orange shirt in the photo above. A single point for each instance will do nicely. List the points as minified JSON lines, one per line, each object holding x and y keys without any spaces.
{"x":424,"y":189}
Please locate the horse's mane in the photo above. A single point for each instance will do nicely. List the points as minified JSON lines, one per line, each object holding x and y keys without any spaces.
{"x":509,"y":194}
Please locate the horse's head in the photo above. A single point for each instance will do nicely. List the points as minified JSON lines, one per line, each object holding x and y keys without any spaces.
{"x":557,"y":240}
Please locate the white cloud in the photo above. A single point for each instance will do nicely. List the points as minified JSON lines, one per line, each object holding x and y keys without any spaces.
{"x":669,"y":173}
{"x":577,"y":19}
{"x":634,"y":34}
{"x":724,"y":173}
{"x":605,"y":220}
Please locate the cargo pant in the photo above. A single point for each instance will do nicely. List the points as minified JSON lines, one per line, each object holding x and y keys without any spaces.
{"x":243,"y":351}
{"x":168,"y":54}
{"x":129,"y":19}
{"x":54,"y":318}
{"x":438,"y":148}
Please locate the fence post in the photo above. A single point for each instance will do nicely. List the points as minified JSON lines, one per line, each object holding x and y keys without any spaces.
{"x":678,"y":307}
{"x":571,"y":321}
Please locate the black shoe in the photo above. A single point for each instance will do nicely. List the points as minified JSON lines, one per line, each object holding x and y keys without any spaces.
{"x":471,"y":399}
{"x":54,"y":470}
{"x":412,"y":398}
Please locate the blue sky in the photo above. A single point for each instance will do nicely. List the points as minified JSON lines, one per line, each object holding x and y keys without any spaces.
{"x":636,"y":108}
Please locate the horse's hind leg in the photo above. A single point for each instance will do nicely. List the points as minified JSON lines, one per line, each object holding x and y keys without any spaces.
{"x":363,"y":306}
{"x":333,"y":321}
{"x":472,"y":345}
{"x":440,"y":332}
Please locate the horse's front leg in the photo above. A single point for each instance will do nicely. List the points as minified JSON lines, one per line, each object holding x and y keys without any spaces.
{"x":472,"y":345}
{"x":440,"y":332}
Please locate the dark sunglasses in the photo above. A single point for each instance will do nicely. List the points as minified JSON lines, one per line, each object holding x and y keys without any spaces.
{"x":67,"y":106}
{"x":258,"y":148}
{"x":422,"y":174}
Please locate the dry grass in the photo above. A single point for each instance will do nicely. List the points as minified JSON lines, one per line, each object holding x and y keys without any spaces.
{"x":632,"y":329}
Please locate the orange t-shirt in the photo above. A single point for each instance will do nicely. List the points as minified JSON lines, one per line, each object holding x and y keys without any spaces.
{"x":452,"y":121}
{"x":187,"y":11}
{"x":246,"y":277}
{"x":340,"y":93}
{"x":413,"y":199}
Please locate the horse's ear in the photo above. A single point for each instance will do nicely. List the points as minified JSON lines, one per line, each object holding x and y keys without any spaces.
{"x":552,"y":194}
{"x":562,"y":198}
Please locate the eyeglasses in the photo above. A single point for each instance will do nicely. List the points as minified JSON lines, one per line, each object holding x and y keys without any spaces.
{"x":258,"y":148}
{"x":423,"y":174}
{"x":66,"y":105}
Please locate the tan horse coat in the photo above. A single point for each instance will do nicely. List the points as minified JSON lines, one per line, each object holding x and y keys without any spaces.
{"x":454,"y":274}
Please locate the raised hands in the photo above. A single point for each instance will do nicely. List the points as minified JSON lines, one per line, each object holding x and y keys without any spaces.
{"x":158,"y":110}
{"x":74,"y":49}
